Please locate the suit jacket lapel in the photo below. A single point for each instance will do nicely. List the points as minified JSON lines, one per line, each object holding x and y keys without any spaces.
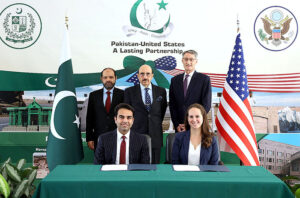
{"x":114,"y":99}
{"x":101,"y":99}
{"x":180,"y":83}
{"x":131,"y":146}
{"x":139,"y":94}
{"x":114,"y":146}
{"x":202,"y":154}
{"x":154,"y":92}
{"x":187,"y":145}
{"x":191,"y":85}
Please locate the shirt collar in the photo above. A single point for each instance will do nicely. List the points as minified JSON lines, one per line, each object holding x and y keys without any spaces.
{"x":143,"y":88}
{"x":119,"y":134}
{"x":190,"y":74}
{"x":105,"y":90}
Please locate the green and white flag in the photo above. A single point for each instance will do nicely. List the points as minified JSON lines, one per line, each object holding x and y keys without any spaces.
{"x":64,"y":139}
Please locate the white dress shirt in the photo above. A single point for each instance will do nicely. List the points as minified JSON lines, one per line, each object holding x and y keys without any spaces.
{"x":119,"y":141}
{"x":189,"y":78}
{"x":194,"y":154}
{"x":149,"y":91}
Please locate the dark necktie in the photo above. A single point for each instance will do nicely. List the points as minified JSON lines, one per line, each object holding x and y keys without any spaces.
{"x":185,"y":84}
{"x":107,"y":102}
{"x":147,"y":100}
{"x":123,"y":151}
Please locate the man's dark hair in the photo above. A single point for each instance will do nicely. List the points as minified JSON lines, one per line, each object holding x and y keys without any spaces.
{"x":107,"y":69}
{"x":123,"y":106}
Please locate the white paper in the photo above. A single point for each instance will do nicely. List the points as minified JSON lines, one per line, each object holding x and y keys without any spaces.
{"x":186,"y":168}
{"x":114,"y":167}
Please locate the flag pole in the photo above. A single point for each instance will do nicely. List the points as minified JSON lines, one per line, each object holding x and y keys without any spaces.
{"x":238,"y":23}
{"x":67,"y":21}
{"x":238,"y":31}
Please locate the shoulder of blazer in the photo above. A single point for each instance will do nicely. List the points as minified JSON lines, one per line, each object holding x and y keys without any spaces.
{"x":178,"y":77}
{"x":96,"y":93}
{"x":200,"y":75}
{"x":133,"y":88}
{"x":109,"y":134}
{"x":154,"y":87}
{"x":118,"y":91}
{"x":182,"y":135}
{"x":137,"y":137}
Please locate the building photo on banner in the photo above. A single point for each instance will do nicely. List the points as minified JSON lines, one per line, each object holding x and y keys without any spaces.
{"x":50,"y":63}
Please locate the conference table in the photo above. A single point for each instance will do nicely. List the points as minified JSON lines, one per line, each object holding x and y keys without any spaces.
{"x":85,"y":181}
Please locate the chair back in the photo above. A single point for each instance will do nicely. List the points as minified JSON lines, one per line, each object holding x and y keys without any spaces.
{"x":169,"y":147}
{"x":149,"y":146}
{"x":219,"y":160}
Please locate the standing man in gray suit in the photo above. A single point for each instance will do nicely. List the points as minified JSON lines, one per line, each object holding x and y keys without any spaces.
{"x":150,"y":104}
{"x":123,"y":145}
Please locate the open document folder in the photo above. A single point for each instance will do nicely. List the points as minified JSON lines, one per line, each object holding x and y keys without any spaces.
{"x":129,"y":167}
{"x":204,"y":168}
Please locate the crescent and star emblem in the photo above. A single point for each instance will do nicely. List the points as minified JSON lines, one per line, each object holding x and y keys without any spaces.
{"x":60,"y":96}
{"x":48,"y":83}
{"x":19,"y":11}
{"x":135,"y":22}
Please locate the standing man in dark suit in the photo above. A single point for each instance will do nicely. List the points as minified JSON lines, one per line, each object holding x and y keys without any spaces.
{"x":100,"y":112}
{"x":188,"y":88}
{"x":122,"y":145}
{"x":150,"y":103}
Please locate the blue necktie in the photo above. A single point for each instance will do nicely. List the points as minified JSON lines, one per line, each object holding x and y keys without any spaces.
{"x":147,"y":100}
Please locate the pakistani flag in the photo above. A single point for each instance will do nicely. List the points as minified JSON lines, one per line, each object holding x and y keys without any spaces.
{"x":64,"y":139}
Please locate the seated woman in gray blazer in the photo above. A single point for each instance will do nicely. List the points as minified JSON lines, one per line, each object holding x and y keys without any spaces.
{"x":196,"y":145}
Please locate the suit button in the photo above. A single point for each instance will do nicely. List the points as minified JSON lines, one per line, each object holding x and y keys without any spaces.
{"x":107,"y":117}
{"x":149,"y":116}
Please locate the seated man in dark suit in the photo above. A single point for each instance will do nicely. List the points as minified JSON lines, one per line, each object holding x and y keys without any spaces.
{"x":122,"y":146}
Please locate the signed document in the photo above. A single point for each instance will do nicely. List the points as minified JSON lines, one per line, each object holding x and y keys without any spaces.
{"x":186,"y":168}
{"x":114,"y":167}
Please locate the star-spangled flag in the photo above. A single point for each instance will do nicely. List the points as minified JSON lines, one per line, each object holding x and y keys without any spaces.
{"x":234,"y":119}
{"x":166,"y":64}
{"x":64,"y":139}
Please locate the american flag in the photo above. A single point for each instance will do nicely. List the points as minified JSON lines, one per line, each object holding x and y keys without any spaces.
{"x":134,"y":79}
{"x":273,"y":83}
{"x":234,"y":118}
{"x":165,"y":63}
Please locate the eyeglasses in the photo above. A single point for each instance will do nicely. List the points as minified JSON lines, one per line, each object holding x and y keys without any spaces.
{"x":145,"y":74}
{"x":189,"y":59}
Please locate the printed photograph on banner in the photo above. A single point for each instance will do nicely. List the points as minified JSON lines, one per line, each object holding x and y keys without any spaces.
{"x":280,"y":154}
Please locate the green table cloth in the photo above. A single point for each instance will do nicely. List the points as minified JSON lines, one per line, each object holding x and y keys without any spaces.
{"x":86,"y":181}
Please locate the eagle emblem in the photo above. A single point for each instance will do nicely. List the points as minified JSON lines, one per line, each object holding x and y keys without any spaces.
{"x":275,"y":28}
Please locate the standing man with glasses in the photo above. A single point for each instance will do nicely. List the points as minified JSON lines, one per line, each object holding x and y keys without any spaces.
{"x":150,"y":104}
{"x":100,"y":112}
{"x":188,"y":88}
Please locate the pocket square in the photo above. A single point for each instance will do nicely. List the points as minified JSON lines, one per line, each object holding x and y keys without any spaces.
{"x":158,"y":99}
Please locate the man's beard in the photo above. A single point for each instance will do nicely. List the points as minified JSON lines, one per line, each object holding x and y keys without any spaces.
{"x":109,"y":85}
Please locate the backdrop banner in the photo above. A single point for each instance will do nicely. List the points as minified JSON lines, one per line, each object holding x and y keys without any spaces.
{"x":125,"y":34}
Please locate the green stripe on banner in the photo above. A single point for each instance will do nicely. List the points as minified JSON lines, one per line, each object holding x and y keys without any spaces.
{"x":22,"y":81}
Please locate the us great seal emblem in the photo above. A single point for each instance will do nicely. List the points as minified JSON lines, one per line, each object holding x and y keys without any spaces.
{"x":276,"y":28}
{"x":20,"y":26}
